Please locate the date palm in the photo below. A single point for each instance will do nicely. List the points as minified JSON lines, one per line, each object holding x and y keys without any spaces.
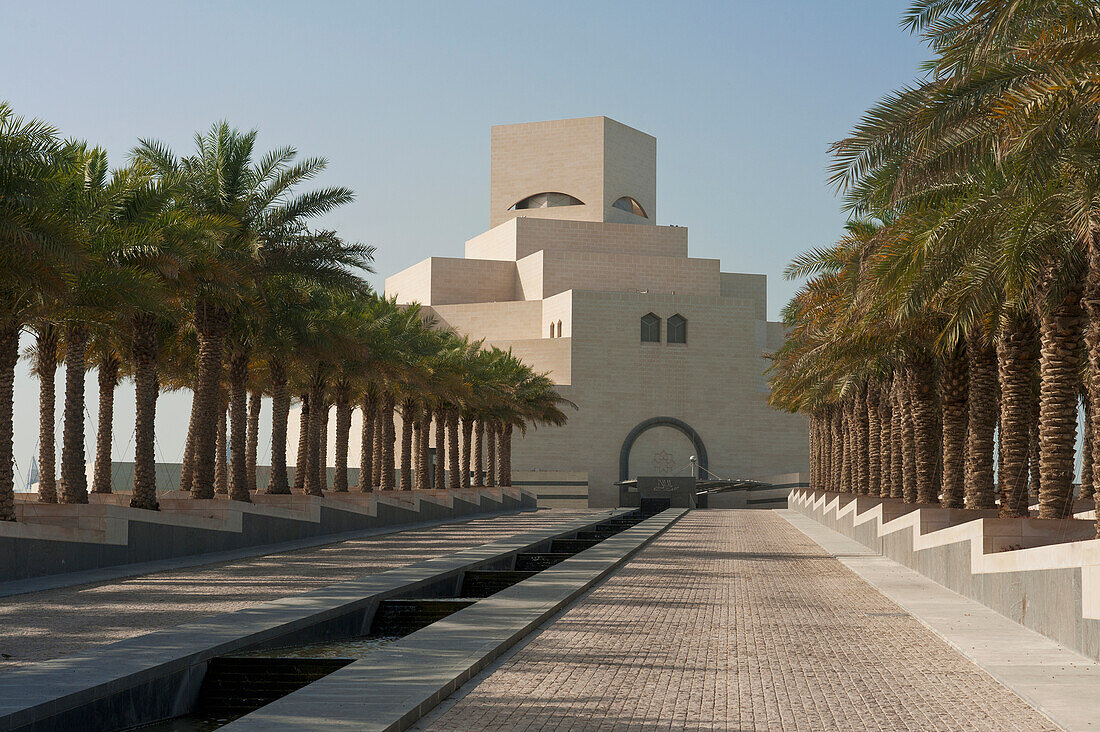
{"x":222,"y":178}
{"x":97,"y":204}
{"x":36,"y":248}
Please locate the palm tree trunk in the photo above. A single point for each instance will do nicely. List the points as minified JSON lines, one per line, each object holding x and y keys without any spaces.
{"x":301,"y":462}
{"x":440,"y":451}
{"x":1091,"y":301}
{"x":909,"y":443}
{"x":926,"y":427}
{"x":846,"y":446}
{"x":1000,"y":487}
{"x":1061,"y":331}
{"x":318,"y":412}
{"x":280,"y":416}
{"x":1017,"y":358}
{"x":874,"y":455}
{"x":108,"y":380}
{"x":238,"y":427}
{"x":366,"y":444}
{"x":45,"y":367}
{"x":143,"y":353}
{"x":255,"y":404}
{"x":408,"y":426}
{"x":454,"y":479}
{"x":897,"y":439}
{"x":982,"y":420}
{"x":953,"y":401}
{"x":9,"y":357}
{"x":490,"y":455}
{"x":467,"y":438}
{"x":221,"y":463}
{"x":863,"y":453}
{"x":837,"y":429}
{"x":1086,"y":450}
{"x":211,"y":323}
{"x":310,"y":483}
{"x":414,"y":460}
{"x":1033,"y":457}
{"x":479,"y":455}
{"x":814,"y":442}
{"x":343,"y":437}
{"x":884,"y":440}
{"x":423,"y":456}
{"x":74,"y":479}
{"x":379,"y":436}
{"x":388,"y":439}
{"x":187,"y":469}
{"x":322,"y":444}
{"x":506,"y":456}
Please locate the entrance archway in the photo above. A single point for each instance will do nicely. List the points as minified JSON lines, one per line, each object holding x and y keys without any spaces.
{"x":677,"y":424}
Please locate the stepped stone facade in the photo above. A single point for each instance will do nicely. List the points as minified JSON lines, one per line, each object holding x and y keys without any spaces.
{"x":662,"y":353}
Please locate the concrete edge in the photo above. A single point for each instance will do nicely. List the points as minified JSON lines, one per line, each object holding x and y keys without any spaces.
{"x":410,"y":677}
{"x":1057,"y":681}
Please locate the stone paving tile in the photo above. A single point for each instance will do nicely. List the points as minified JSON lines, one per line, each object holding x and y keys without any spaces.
{"x":735,"y":620}
{"x":42,"y":625}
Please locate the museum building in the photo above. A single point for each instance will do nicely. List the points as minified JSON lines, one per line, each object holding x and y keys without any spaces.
{"x":663,"y":354}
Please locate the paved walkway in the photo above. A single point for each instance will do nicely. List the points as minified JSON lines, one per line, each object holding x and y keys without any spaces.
{"x":735,"y":620}
{"x":42,"y":625}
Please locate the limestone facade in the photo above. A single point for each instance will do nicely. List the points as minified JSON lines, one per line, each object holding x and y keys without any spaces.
{"x":564,"y":280}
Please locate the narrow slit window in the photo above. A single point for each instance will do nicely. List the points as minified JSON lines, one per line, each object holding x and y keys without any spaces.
{"x":677,"y":329}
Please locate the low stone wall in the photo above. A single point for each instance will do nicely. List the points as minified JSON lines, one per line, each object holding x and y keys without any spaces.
{"x":1041,"y":573}
{"x":51,"y":538}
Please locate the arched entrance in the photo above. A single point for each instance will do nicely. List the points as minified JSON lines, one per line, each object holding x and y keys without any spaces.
{"x":656,"y":422}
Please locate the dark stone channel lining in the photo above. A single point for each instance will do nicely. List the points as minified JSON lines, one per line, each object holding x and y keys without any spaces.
{"x":158,"y":675}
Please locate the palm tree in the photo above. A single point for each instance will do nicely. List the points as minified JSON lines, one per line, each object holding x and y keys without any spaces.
{"x":221,"y":179}
{"x":97,"y":205}
{"x":35,"y":249}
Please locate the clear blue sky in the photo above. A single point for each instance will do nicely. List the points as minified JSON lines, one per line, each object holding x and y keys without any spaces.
{"x":743,"y":98}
